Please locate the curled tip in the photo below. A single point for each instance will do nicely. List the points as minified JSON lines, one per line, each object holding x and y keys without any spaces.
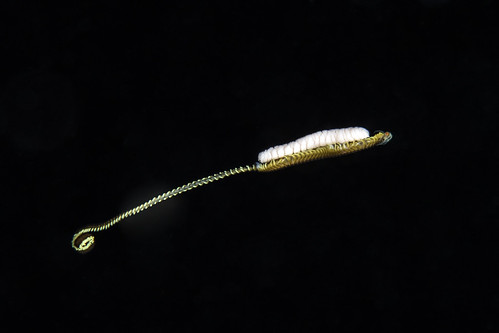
{"x":83,"y":242}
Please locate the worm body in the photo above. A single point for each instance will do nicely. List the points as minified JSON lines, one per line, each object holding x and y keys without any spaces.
{"x":322,"y":144}
{"x":315,"y":140}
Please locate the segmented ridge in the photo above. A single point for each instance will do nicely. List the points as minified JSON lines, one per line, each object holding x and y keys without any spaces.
{"x":332,"y":150}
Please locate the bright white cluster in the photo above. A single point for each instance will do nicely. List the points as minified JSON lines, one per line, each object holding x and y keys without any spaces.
{"x":317,"y":139}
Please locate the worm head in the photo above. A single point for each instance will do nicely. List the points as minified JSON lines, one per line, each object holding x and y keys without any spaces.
{"x":387,"y":136}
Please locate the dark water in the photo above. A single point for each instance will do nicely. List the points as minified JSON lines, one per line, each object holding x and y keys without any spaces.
{"x":104,"y":106}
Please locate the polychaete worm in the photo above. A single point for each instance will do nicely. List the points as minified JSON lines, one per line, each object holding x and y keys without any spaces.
{"x":319,"y":145}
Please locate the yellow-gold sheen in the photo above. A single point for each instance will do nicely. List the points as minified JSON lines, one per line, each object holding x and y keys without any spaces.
{"x":84,"y":240}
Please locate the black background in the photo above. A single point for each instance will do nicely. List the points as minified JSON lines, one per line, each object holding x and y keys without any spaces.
{"x":106,"y":105}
